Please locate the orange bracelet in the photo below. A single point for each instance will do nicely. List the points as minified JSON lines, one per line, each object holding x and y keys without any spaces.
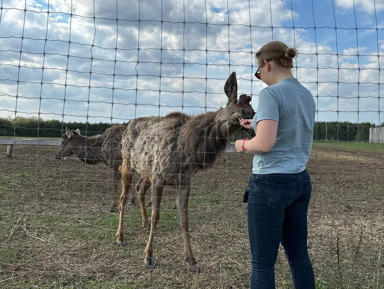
{"x":242,"y":146}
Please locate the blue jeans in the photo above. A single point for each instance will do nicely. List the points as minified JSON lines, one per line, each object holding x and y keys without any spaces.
{"x":277,"y":212}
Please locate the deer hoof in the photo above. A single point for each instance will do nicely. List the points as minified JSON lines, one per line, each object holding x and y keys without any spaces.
{"x":149,"y":263}
{"x":195,"y":268}
{"x":120,"y":240}
{"x":121,"y":243}
{"x":113,"y":210}
{"x":146,"y":226}
{"x":193,"y":264}
{"x":132,"y":202}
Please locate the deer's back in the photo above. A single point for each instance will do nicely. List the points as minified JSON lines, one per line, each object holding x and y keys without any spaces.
{"x":151,"y":144}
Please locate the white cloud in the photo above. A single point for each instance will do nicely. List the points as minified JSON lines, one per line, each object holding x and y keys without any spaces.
{"x":369,"y":6}
{"x":192,"y":58}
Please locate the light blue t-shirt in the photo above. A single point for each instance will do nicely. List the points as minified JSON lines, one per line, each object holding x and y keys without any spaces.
{"x":292,"y":106}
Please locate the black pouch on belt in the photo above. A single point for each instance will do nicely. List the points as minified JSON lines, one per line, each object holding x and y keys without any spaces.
{"x":245,"y":196}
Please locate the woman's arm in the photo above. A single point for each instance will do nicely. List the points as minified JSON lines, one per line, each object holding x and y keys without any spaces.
{"x":263,"y":141}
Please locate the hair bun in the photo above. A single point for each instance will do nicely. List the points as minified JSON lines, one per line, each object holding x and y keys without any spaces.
{"x":291,"y":53}
{"x":278,"y":51}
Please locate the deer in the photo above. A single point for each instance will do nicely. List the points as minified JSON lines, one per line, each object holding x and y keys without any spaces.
{"x":167,"y":151}
{"x":102,"y":148}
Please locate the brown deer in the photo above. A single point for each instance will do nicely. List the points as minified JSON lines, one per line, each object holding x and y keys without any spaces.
{"x":102,"y":148}
{"x":167,"y":151}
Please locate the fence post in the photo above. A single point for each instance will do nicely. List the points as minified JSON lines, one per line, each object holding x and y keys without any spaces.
{"x":9,"y":150}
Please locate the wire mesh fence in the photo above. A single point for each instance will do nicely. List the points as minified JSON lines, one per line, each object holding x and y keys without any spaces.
{"x":115,"y":61}
{"x":88,"y":63}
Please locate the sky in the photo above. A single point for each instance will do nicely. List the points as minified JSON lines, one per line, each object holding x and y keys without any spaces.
{"x":113,"y":61}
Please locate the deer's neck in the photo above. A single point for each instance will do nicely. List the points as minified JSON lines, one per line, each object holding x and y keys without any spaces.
{"x":90,"y":151}
{"x":203,"y":138}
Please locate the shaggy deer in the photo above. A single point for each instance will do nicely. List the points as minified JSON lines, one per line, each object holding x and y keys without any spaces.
{"x":168,"y":151}
{"x":101,"y":148}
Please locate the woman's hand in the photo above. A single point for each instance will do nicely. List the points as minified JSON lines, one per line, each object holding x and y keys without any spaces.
{"x":264,"y":140}
{"x":246,"y":123}
{"x":239,"y":144}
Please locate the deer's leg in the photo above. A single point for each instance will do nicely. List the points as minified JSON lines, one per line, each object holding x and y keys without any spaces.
{"x":141,"y":188}
{"x":131,"y":196}
{"x":126,"y":180}
{"x":115,"y":197}
{"x":182,"y":206}
{"x":156,"y":200}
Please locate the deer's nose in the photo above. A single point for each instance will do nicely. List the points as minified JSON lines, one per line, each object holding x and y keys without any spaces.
{"x":248,"y":112}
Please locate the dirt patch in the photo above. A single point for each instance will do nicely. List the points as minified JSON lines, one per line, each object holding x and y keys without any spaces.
{"x":55,"y":231}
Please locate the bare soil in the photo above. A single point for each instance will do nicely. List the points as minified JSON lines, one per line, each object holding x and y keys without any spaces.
{"x":56,"y":231}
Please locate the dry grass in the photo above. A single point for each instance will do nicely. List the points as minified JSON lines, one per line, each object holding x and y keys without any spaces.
{"x":55,"y":231}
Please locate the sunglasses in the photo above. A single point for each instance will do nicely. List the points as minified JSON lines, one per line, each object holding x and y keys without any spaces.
{"x":258,"y":74}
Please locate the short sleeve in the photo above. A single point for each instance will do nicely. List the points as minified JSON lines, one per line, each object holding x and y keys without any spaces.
{"x":268,"y":107}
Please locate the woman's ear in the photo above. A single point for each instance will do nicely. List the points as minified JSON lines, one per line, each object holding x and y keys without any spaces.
{"x":268,"y":65}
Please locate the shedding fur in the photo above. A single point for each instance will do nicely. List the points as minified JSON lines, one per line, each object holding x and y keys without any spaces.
{"x":167,"y":151}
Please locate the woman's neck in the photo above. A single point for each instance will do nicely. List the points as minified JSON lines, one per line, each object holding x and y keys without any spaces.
{"x":281,"y":75}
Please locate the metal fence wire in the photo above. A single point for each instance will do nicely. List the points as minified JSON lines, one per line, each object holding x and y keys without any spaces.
{"x":117,"y":60}
{"x":112,"y":61}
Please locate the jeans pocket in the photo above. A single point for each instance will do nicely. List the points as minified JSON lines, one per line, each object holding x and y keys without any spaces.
{"x":281,"y":195}
{"x":257,"y":191}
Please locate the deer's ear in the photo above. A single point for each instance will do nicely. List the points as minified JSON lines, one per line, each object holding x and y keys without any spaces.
{"x":78,"y":131}
{"x":245,"y":98}
{"x":230,"y":88}
{"x":68,"y":132}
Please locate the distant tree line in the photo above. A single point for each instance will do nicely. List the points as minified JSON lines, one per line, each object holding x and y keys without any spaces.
{"x":330,"y":131}
{"x":342,"y":131}
{"x":37,"y":127}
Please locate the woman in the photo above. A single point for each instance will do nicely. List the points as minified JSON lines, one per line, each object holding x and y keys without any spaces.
{"x":280,"y":187}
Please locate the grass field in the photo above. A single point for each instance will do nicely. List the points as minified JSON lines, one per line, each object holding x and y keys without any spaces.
{"x":55,"y":231}
{"x":360,"y":146}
